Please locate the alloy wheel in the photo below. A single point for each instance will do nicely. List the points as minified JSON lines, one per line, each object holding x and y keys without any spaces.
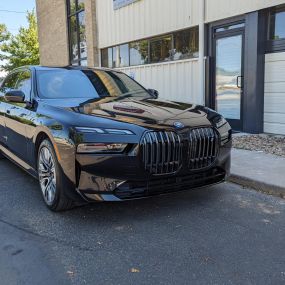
{"x":47,"y":175}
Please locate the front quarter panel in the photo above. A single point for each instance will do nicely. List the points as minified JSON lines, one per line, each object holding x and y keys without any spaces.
{"x":59,"y":135}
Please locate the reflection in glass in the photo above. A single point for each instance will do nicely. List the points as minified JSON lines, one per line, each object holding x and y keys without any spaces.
{"x":73,"y":38}
{"x":64,"y":83}
{"x":186,"y":44}
{"x":160,"y":49}
{"x":72,"y":7}
{"x":124,"y":57}
{"x":139,"y":53}
{"x":105,"y":57}
{"x":277,"y":25}
{"x":9,"y":82}
{"x":82,"y":34}
{"x":24,"y":84}
{"x":80,"y":5}
{"x":77,"y":32}
{"x":83,"y":62}
{"x":228,"y":68}
{"x":116,"y":57}
{"x":110,"y":58}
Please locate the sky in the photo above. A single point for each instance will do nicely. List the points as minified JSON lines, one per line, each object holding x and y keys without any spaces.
{"x":13,"y":20}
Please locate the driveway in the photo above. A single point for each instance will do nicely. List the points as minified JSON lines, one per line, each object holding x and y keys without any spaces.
{"x":219,"y":235}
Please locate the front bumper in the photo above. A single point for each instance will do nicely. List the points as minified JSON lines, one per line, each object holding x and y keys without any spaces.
{"x":119,"y":178}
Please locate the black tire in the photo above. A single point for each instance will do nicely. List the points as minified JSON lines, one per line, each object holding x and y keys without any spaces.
{"x":59,"y":201}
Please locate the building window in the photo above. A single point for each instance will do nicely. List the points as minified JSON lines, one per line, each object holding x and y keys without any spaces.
{"x":176,"y":46}
{"x":276,"y":33}
{"x":277,"y":25}
{"x":186,"y":44}
{"x":160,"y":49}
{"x":139,"y":53}
{"x":77,"y":34}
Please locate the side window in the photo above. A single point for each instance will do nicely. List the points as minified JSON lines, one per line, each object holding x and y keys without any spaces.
{"x":9,"y":83}
{"x":24,"y":83}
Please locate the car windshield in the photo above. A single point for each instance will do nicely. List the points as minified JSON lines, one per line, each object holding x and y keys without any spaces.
{"x":89,"y":84}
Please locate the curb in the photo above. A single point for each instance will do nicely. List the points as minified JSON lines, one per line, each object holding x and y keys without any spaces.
{"x":269,"y":189}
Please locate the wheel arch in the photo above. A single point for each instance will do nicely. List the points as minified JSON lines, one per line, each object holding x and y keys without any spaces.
{"x":65,"y":152}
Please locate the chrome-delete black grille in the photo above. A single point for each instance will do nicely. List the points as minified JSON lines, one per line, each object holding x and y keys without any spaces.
{"x":161,"y":152}
{"x":203,"y":148}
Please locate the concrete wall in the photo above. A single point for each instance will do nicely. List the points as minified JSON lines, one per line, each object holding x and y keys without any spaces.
{"x":91,"y":33}
{"x":53,"y":32}
{"x":176,"y":81}
{"x":274,"y":116}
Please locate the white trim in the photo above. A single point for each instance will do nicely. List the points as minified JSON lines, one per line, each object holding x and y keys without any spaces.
{"x":157,"y":64}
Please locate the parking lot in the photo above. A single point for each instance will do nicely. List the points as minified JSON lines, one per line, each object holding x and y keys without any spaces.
{"x":218,"y":235}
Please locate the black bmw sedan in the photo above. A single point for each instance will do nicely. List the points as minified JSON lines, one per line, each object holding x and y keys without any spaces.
{"x":97,"y":135}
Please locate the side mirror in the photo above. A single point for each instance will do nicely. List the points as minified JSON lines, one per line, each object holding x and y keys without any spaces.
{"x":15,"y":96}
{"x":154,"y":93}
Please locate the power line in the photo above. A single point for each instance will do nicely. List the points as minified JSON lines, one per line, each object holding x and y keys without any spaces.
{"x":11,"y":11}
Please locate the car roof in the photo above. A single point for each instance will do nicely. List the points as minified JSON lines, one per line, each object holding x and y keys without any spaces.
{"x":70,"y":67}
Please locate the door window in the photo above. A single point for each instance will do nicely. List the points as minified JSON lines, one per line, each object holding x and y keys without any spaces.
{"x":229,"y":76}
{"x":24,"y":83}
{"x":9,"y":83}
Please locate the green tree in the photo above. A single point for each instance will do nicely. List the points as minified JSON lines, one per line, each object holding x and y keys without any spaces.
{"x":21,"y":49}
{"x":4,"y":34}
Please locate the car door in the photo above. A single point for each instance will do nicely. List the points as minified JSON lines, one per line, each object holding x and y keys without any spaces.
{"x":8,"y":84}
{"x":2,"y":116}
{"x":19,"y":116}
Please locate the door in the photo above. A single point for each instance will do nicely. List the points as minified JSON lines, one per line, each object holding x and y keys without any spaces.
{"x":8,"y":84}
{"x":18,"y":117}
{"x":228,"y":52}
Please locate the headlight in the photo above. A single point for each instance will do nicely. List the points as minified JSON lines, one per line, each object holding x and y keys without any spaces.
{"x":103,"y":131}
{"x":224,"y":129}
{"x":99,"y":148}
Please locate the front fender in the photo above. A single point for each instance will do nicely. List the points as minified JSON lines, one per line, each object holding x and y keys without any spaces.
{"x":64,"y":148}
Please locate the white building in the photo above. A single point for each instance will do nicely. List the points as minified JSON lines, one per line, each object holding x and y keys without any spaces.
{"x":226,"y":54}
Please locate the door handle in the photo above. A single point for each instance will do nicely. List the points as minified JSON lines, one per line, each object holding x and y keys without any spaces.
{"x":239,"y":81}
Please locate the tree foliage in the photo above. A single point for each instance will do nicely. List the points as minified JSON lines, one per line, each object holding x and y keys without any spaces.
{"x":4,"y":34}
{"x":21,"y":49}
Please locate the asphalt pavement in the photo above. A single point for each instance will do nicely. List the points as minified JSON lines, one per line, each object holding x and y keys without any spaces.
{"x":218,"y":235}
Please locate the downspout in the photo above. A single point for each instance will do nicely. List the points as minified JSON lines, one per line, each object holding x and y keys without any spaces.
{"x":201,"y":52}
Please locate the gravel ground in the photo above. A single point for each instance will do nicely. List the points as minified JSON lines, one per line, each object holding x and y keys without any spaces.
{"x":266,"y":143}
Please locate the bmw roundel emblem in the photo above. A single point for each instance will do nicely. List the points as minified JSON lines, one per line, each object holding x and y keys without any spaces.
{"x":178,"y":125}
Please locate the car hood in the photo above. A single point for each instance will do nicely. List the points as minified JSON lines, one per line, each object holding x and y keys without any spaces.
{"x":143,"y":112}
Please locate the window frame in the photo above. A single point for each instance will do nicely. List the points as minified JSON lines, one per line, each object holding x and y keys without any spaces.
{"x":273,"y":45}
{"x":78,"y":61}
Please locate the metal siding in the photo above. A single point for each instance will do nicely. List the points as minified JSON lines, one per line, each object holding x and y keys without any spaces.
{"x":222,"y":9}
{"x":143,"y":19}
{"x":274,"y":97}
{"x":175,"y":81}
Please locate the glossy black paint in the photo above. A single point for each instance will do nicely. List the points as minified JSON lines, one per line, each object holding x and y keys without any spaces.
{"x":24,"y":125}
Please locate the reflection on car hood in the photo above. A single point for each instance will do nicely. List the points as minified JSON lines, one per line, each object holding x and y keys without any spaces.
{"x":136,"y":110}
